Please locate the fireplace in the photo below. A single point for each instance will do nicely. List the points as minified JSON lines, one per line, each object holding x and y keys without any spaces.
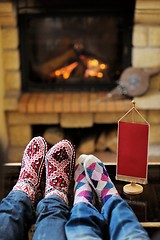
{"x":30,"y":108}
{"x":74,"y":46}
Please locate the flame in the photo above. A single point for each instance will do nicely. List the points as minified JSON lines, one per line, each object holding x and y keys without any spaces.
{"x":94,"y":68}
{"x":65,"y":72}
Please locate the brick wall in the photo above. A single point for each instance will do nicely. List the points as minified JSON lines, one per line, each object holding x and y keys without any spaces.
{"x":146,"y":54}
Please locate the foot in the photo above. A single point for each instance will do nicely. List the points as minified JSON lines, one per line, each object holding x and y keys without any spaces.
{"x":32,"y":167}
{"x":59,"y":161}
{"x":82,"y":189}
{"x":99,"y":179}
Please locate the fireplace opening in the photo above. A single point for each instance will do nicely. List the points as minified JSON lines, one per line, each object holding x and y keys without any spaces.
{"x":74,"y":47}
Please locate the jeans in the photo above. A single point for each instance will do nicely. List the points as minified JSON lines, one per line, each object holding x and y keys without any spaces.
{"x":16,"y":216}
{"x":54,"y":220}
{"x":116,"y":221}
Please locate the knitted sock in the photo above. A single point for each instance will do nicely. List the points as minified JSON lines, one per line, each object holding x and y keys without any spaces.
{"x":82,"y":189}
{"x":99,"y":179}
{"x":59,"y":162}
{"x":32,"y":167}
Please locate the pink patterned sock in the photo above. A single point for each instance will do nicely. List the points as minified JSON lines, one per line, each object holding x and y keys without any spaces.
{"x":32,"y":167}
{"x":59,"y":162}
{"x":99,"y":179}
{"x":82,"y":189}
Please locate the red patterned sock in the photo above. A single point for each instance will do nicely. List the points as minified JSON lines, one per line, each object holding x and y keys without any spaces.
{"x":32,"y":167}
{"x":59,"y":162}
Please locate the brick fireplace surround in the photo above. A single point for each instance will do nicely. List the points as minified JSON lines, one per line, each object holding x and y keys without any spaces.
{"x":74,"y":110}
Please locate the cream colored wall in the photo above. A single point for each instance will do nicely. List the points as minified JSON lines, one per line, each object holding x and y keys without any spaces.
{"x":146,"y":34}
{"x":8,"y":61}
{"x":3,"y":130}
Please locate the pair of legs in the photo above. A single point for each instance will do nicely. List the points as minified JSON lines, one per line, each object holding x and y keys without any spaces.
{"x":53,"y":218}
{"x":26,"y":204}
{"x":115,"y":219}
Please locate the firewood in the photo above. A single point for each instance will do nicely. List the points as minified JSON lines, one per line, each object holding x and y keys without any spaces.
{"x":112,"y":141}
{"x":53,"y":135}
{"x":101,"y":142}
{"x":107,"y":140}
{"x":55,"y":63}
{"x":87,"y":146}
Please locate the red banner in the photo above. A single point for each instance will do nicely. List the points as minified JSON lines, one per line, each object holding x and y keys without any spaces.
{"x":132,"y":157}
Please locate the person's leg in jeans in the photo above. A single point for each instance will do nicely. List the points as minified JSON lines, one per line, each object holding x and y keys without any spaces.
{"x":16,"y":216}
{"x":17,"y":209}
{"x":53,"y":210}
{"x":122,"y":222}
{"x":85,"y":221}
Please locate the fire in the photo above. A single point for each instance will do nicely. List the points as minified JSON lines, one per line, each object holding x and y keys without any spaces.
{"x":93,"y":68}
{"x":65,"y":72}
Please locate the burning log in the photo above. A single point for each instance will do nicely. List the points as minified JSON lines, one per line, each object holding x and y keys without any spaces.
{"x":74,"y":60}
{"x":65,"y":72}
{"x":55,"y":63}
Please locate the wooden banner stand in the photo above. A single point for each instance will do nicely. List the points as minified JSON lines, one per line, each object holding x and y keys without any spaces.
{"x":133,"y":188}
{"x":132,"y":152}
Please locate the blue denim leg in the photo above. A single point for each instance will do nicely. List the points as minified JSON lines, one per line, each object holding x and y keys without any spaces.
{"x":85,"y":223}
{"x":122,"y":222}
{"x":16,"y":216}
{"x":52,"y":214}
